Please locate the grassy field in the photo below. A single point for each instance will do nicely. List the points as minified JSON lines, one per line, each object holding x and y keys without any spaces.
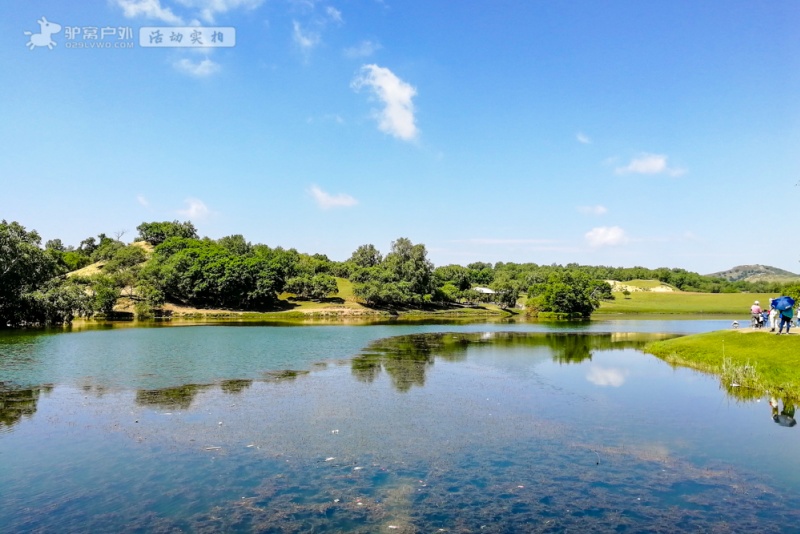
{"x":684,"y":303}
{"x":749,"y":363}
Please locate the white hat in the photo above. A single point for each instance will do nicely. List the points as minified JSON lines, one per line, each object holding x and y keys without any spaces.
{"x":756,"y":302}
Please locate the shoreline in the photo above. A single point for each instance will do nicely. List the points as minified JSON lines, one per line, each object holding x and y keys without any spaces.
{"x":378,"y":317}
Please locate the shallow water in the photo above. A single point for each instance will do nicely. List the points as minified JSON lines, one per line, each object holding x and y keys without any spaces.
{"x":407,"y":428}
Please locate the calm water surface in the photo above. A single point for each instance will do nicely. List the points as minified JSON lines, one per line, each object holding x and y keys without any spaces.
{"x":488,"y":427}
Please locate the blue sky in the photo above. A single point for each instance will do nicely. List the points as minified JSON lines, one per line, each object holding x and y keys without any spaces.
{"x":619,"y":133}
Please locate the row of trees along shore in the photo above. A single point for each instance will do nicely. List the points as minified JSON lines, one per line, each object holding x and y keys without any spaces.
{"x":169,"y":262}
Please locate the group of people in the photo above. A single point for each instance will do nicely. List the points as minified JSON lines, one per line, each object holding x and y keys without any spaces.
{"x":776,"y":318}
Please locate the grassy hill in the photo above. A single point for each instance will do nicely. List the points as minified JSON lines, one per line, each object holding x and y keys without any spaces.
{"x":756,"y":273}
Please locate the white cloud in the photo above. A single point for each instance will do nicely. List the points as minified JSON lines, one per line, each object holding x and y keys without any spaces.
{"x":142,"y":200}
{"x":208,"y":9}
{"x":583,"y":138}
{"x":334,"y":14}
{"x":306,"y":40}
{"x":326,"y":200}
{"x":397,"y":116}
{"x":650,"y":164}
{"x":593,"y":210}
{"x":196,"y":209}
{"x":606,"y":235}
{"x":362,"y":49}
{"x":600,"y":376}
{"x":198,"y":69}
{"x":151,"y":9}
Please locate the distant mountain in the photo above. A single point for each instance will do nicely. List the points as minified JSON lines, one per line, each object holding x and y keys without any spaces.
{"x":756,"y":273}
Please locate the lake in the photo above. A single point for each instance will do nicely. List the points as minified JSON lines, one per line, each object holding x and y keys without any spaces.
{"x":396,"y":427}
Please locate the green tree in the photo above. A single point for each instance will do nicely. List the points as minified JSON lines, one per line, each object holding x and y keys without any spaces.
{"x":447,"y":293}
{"x":88,"y":246}
{"x":568,"y":292}
{"x":206,"y":274}
{"x":235,"y":244}
{"x":506,"y":293}
{"x":403,"y":278}
{"x":106,"y":248}
{"x":456,"y":275}
{"x":125,"y":257}
{"x":24,"y":268}
{"x":792,"y":290}
{"x":56,"y":245}
{"x":73,"y":260}
{"x":366,"y":256}
{"x":481,"y":273}
{"x":409,"y":263}
{"x":601,"y":290}
{"x":311,"y":265}
{"x":56,"y":302}
{"x":105,"y":293}
{"x":317,"y":287}
{"x":323,"y":285}
{"x":156,"y":233}
{"x":124,"y":267}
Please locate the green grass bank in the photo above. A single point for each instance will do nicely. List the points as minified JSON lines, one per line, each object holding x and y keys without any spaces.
{"x":749,"y":363}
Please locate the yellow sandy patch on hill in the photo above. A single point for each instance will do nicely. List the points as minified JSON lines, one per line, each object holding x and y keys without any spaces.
{"x":89,"y":270}
{"x":147,"y":247}
{"x":642,"y":285}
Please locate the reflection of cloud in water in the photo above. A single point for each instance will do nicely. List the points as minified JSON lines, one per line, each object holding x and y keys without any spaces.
{"x":600,"y":376}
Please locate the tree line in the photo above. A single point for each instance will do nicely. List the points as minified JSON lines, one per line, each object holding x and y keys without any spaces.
{"x":170,"y":262}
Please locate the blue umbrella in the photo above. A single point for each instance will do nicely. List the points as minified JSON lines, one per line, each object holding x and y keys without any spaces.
{"x":783,"y":303}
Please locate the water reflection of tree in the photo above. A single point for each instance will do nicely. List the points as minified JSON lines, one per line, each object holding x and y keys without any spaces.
{"x":572,"y":348}
{"x":18,"y":403}
{"x":407,"y":358}
{"x":575,"y":349}
{"x":173,"y":398}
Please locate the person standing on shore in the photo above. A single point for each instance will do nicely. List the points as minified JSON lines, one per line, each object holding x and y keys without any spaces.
{"x":755,"y":312}
{"x":773,"y":316}
{"x":786,"y":319}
